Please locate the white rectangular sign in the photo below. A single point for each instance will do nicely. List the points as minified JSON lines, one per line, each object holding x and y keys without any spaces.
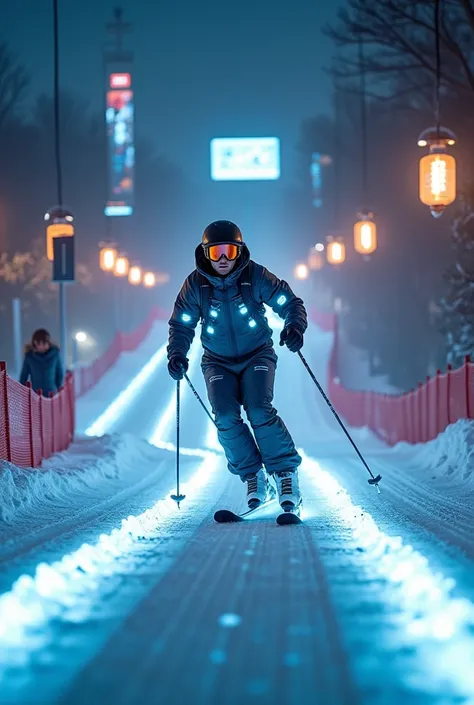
{"x":245,"y":158}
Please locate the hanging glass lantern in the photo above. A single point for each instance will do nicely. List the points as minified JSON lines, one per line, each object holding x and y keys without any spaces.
{"x":336,"y":252}
{"x":437,"y":170}
{"x":108,"y":255}
{"x":135,"y":275}
{"x":365,"y":234}
{"x":149,"y":280}
{"x":121,"y":266}
{"x":301,"y":271}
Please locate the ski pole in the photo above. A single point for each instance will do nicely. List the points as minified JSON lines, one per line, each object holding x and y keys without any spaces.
{"x":373,"y":480}
{"x":198,"y":398}
{"x":177,"y":497}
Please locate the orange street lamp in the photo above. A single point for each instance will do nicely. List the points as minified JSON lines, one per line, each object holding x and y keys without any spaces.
{"x":58,"y":224}
{"x":135,"y":275}
{"x":336,"y":252}
{"x":301,"y":271}
{"x":365,"y":234}
{"x":108,"y":255}
{"x":121,"y":266}
{"x":149,"y":280}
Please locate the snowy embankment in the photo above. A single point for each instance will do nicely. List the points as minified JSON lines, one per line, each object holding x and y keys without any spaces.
{"x":447,"y":460}
{"x":71,"y":483}
{"x":92,"y":470}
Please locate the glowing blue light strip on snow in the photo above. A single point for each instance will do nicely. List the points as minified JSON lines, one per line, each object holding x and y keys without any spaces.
{"x":68,"y":589}
{"x":433,"y":616}
{"x":113,"y":412}
{"x":159,"y":435}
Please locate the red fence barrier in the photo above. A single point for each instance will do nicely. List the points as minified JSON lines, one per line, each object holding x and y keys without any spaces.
{"x":33,"y":427}
{"x":417,"y":416}
{"x":87,"y":377}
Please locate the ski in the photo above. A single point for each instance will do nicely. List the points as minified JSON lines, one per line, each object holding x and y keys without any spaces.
{"x":225,"y":516}
{"x":289,"y":517}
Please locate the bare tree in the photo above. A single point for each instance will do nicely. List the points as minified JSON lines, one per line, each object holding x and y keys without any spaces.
{"x":399,"y":36}
{"x":14,"y":82}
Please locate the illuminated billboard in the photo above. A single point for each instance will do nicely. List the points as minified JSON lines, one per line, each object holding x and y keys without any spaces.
{"x":245,"y":158}
{"x":120,"y":145}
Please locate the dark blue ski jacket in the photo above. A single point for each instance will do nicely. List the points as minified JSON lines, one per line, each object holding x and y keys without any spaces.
{"x":231,"y":328}
{"x":45,"y":370}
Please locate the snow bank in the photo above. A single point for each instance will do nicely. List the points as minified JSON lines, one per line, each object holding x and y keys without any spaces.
{"x":450,"y":456}
{"x":90,"y":470}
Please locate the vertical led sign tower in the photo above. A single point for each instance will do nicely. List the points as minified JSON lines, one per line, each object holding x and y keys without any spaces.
{"x":119,"y":118}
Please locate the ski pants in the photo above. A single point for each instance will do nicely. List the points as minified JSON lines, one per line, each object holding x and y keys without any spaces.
{"x":250,"y":384}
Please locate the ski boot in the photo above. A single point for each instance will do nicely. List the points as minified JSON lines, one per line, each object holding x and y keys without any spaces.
{"x":259,"y":490}
{"x":289,"y":494}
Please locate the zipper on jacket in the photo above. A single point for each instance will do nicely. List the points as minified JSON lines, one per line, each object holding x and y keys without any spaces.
{"x":231,"y":325}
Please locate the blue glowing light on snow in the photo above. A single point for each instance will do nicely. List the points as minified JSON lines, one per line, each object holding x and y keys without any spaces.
{"x":68,"y":589}
{"x":229,"y":620}
{"x":430,"y":613}
{"x":105,"y":422}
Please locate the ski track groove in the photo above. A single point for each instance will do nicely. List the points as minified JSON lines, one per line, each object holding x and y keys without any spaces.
{"x":223,"y":570}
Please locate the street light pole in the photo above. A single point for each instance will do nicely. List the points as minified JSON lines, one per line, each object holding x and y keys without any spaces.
{"x":59,"y":176}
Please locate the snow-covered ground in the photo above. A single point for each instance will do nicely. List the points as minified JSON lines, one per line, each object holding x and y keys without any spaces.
{"x":110,"y":594}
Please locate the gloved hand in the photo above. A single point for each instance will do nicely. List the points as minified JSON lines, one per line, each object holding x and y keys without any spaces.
{"x":292,"y":337}
{"x":177,"y":365}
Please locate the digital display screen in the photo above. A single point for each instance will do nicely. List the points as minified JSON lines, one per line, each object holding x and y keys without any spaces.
{"x":245,"y":158}
{"x":120,"y":148}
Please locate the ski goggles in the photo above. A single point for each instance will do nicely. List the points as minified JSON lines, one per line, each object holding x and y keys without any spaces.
{"x":215,"y":252}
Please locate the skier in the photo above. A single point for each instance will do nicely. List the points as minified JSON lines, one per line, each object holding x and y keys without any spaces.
{"x":226,"y":292}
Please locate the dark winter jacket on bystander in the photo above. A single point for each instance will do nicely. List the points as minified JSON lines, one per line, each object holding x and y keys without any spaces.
{"x":45,"y":370}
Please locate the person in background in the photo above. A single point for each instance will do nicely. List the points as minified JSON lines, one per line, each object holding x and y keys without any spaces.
{"x":42,"y":364}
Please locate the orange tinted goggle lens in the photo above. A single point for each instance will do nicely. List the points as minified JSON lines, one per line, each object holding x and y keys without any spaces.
{"x":216,"y":252}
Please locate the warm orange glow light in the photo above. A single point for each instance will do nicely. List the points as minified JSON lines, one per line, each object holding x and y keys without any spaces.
{"x":365,"y":237}
{"x":121,"y":267}
{"x":56,"y":230}
{"x":336,"y":252}
{"x":108,"y":255}
{"x":301,"y":271}
{"x":135,"y":275}
{"x":437,"y":180}
{"x":149,"y":279}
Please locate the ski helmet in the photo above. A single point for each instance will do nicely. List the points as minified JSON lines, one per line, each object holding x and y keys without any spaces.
{"x":222,"y":232}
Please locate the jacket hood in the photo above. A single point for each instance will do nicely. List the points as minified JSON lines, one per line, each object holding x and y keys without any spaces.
{"x":204,"y":267}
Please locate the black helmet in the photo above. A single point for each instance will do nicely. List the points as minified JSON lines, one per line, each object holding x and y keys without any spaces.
{"x":222,"y":232}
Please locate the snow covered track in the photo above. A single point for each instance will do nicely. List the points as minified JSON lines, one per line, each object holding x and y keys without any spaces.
{"x":370,"y":601}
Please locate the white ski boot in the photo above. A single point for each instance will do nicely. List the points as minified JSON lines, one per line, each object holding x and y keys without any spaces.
{"x":289,"y":494}
{"x":259,"y":490}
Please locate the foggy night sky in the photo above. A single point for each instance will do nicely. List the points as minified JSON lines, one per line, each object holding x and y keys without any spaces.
{"x":202,"y":68}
